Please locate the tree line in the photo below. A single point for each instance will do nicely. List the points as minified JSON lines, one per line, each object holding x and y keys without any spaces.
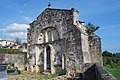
{"x":111,"y":59}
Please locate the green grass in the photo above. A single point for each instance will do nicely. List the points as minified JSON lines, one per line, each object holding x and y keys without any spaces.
{"x":39,"y":76}
{"x":115,"y":71}
{"x":25,"y":75}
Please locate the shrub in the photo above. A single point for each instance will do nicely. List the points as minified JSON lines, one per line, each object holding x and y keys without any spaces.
{"x":11,"y":51}
{"x":11,"y":68}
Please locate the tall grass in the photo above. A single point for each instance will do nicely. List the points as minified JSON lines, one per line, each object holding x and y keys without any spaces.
{"x":115,"y":71}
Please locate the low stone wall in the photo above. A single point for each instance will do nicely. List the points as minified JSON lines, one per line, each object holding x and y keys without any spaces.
{"x":91,"y":71}
{"x":19,"y":60}
{"x":96,"y":72}
{"x":103,"y":73}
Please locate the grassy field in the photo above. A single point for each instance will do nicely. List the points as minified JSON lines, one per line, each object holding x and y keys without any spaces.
{"x":115,"y":71}
{"x":31,"y":76}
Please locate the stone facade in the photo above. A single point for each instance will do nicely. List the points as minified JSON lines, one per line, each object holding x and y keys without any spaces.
{"x":59,"y":42}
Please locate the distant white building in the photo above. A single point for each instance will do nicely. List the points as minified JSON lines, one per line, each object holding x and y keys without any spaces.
{"x":8,"y":44}
{"x":23,"y":49}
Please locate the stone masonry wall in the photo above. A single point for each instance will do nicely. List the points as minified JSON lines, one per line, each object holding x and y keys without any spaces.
{"x":19,"y":60}
{"x":96,"y":72}
{"x":95,"y":49}
{"x":74,"y":53}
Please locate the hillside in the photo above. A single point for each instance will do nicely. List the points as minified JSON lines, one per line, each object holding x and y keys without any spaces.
{"x":111,"y":62}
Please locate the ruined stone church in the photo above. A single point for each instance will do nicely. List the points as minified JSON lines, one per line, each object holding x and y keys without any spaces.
{"x":58,"y":42}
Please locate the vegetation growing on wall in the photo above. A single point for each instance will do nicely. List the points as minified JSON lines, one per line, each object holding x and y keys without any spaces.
{"x":91,"y":28}
{"x":11,"y":51}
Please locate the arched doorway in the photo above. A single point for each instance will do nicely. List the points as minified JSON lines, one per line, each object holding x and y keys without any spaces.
{"x":48,"y":61}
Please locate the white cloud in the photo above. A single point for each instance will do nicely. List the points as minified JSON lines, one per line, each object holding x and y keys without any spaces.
{"x":27,"y":19}
{"x":15,"y":30}
{"x":17,"y":27}
{"x":18,"y":34}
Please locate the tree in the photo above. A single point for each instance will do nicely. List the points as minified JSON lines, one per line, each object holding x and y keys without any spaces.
{"x":24,"y":44}
{"x":106,"y":53}
{"x":91,"y":28}
{"x":111,"y":59}
{"x":18,"y":41}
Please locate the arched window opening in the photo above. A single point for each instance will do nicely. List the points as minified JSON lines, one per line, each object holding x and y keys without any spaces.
{"x":48,"y":50}
{"x":49,"y":35}
{"x":40,"y":38}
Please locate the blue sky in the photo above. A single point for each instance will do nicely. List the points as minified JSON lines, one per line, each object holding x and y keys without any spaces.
{"x":15,"y":15}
